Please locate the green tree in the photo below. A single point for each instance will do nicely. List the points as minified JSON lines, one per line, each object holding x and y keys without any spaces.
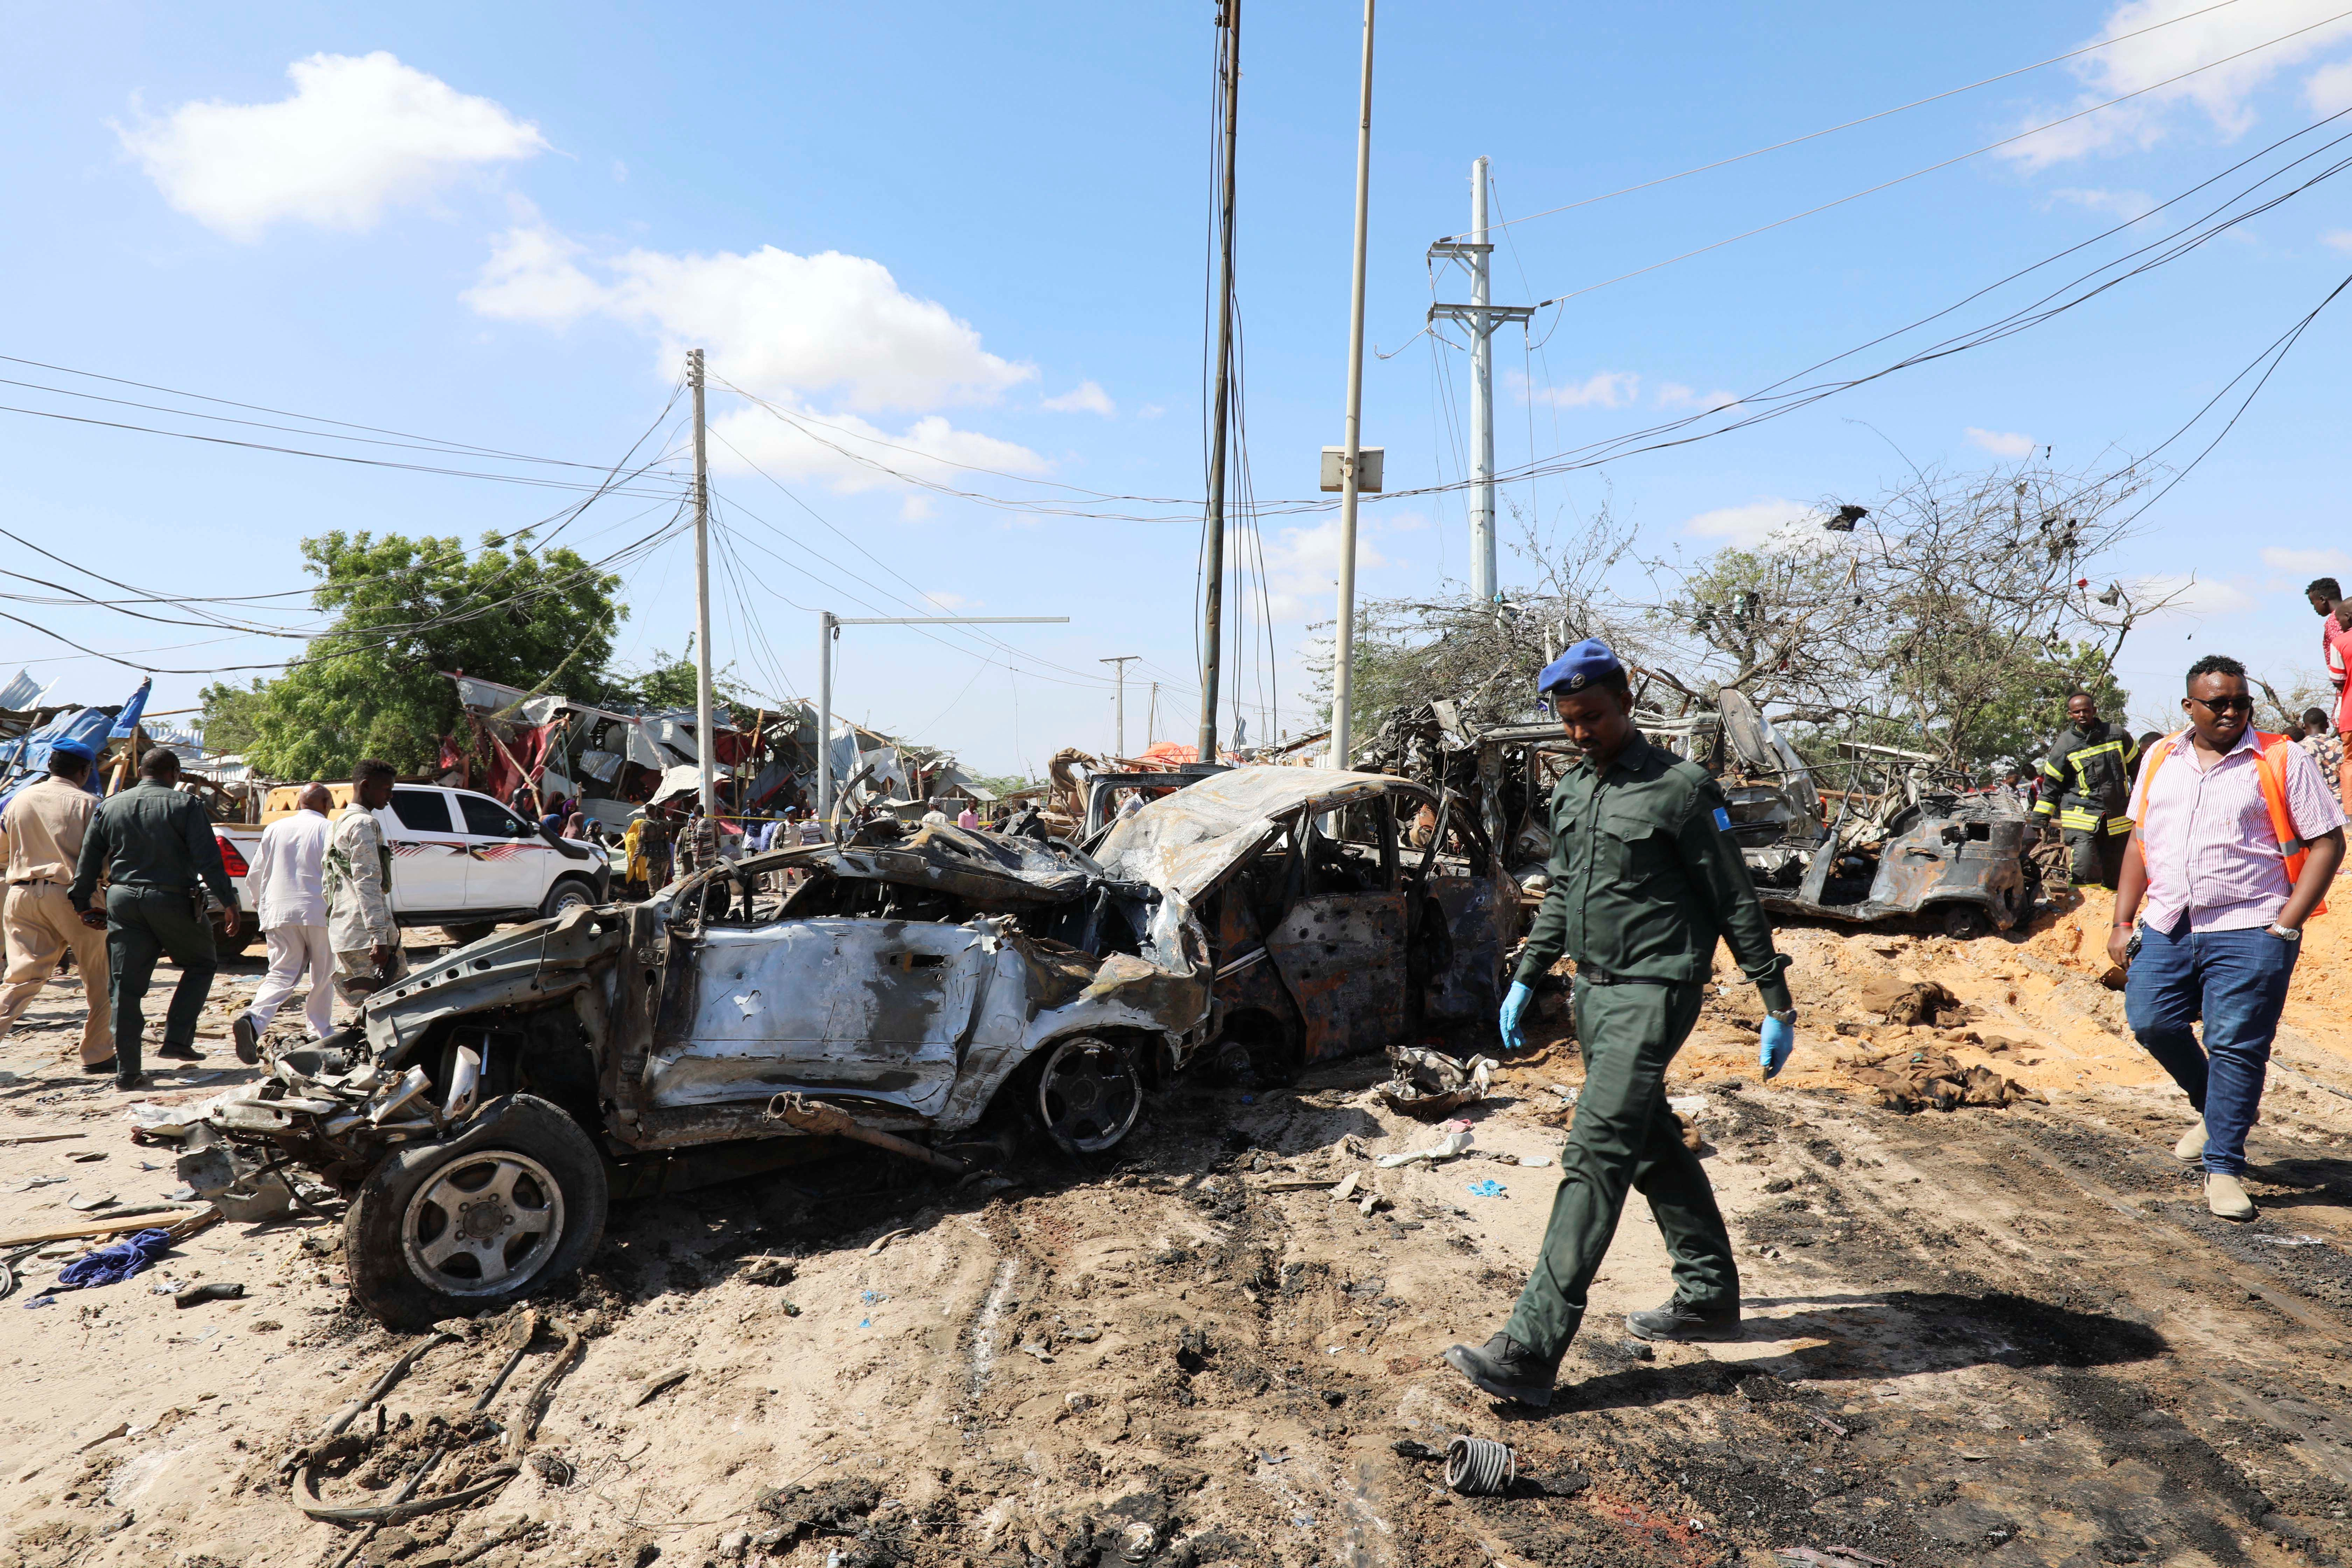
{"x":407,"y":610}
{"x":231,"y":723}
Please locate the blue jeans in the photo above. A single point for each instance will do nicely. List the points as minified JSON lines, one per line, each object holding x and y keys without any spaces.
{"x":2236,"y":981}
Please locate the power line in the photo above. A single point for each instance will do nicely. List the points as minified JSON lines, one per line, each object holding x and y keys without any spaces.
{"x":1865,"y":120}
{"x":1945,"y":163}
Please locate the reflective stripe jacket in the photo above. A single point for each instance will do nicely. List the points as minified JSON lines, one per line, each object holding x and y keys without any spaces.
{"x":2086,"y":779}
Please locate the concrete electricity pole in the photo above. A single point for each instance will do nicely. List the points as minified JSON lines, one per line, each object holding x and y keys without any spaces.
{"x":1122,"y":660}
{"x":1343,"y":647}
{"x":1480,"y":316}
{"x":703,"y":743}
{"x":828,"y":630}
{"x":1212,"y":568}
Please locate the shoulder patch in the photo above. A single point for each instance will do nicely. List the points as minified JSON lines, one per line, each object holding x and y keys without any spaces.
{"x":1722,"y":820}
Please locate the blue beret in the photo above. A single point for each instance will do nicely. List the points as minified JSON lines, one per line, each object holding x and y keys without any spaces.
{"x":73,"y":747}
{"x":1578,"y":667}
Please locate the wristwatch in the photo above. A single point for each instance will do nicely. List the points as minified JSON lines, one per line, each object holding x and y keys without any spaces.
{"x":2282,"y":933}
{"x":1785,"y":1015}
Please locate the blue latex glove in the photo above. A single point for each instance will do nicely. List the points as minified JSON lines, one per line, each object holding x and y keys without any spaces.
{"x":1515,"y":1006}
{"x":1779,"y":1039}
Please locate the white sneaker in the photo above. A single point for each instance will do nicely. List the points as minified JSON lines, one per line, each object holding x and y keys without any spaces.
{"x":2191,"y":1147}
{"x":2226,"y":1197}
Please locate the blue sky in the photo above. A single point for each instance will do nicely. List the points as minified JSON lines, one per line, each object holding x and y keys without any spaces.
{"x":980,"y":236}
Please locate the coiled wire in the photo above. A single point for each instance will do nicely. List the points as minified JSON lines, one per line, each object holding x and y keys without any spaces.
{"x":1479,"y":1467}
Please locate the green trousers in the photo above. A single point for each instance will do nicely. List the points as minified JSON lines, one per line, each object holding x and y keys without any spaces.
{"x":142,"y":925}
{"x":1625,"y":1137}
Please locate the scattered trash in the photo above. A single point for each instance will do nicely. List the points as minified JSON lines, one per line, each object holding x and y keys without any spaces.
{"x":1830,"y":1557}
{"x":1934,"y":1080}
{"x":870,"y":1296}
{"x":1489,"y":1188}
{"x":111,"y":1433}
{"x":110,"y":1265}
{"x":37,"y":1181}
{"x":1373,"y":1203}
{"x":771,"y":1271}
{"x":657,"y":1384}
{"x":1411,"y":1448}
{"x":86,"y":1157}
{"x":882,"y":1241}
{"x":1479,"y":1467}
{"x":554,"y":1469}
{"x":1535,"y":1159}
{"x":213,"y":1290}
{"x":1347,"y":1189}
{"x":1428,"y":1083}
{"x":2291,"y":1240}
{"x":1454,"y":1143}
{"x":84,"y":1203}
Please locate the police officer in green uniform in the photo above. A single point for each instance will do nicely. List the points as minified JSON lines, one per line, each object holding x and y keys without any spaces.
{"x":156,"y":848}
{"x":1644,"y":878}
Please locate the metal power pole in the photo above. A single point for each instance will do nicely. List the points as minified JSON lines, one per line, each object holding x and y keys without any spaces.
{"x":702,"y":745}
{"x":828,"y":628}
{"x":1122,"y":660}
{"x":1480,"y":316}
{"x":1212,"y":568}
{"x":825,"y":632}
{"x":1343,"y":651}
{"x":1482,"y":400}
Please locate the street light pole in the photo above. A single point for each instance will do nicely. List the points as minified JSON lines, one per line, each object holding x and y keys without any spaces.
{"x":702,"y":745}
{"x":1122,"y":660}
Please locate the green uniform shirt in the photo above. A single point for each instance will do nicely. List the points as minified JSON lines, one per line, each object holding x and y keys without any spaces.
{"x":1645,"y":876}
{"x":150,"y":836}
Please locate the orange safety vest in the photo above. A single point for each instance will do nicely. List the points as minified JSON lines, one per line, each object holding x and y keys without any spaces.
{"x":2270,"y":767}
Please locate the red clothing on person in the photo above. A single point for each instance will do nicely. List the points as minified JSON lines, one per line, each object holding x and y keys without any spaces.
{"x":2336,"y":653}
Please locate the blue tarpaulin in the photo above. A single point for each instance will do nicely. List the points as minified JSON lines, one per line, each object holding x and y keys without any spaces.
{"x":26,"y":758}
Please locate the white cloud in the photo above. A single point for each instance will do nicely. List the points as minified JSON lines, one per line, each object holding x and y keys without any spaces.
{"x":1602,"y":389}
{"x":930,"y":449}
{"x":1673,"y":394}
{"x":1302,"y":569}
{"x":2131,"y":206}
{"x":2339,"y":238}
{"x":2190,"y":597}
{"x":361,"y":134}
{"x":1087,"y":397}
{"x":2002,"y":443}
{"x":1149,"y":411}
{"x":2223,"y":94}
{"x":2329,"y":89}
{"x":1757,"y":523}
{"x":2307,"y":563}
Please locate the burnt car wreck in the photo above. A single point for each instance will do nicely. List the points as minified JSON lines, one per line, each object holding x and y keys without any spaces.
{"x":936,"y":993}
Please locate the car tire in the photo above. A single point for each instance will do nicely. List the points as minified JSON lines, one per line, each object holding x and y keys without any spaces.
{"x":1088,"y":1093}
{"x":1964,"y":923}
{"x":521,"y":1165}
{"x":569,"y":893}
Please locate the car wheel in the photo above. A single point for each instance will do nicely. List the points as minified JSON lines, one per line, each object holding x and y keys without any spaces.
{"x":569,"y":893}
{"x":1964,"y":923}
{"x":1090,"y":1094}
{"x":514,"y":1201}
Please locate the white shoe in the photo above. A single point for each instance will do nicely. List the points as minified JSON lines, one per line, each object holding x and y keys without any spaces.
{"x":2191,"y":1147}
{"x":2226,"y":1197}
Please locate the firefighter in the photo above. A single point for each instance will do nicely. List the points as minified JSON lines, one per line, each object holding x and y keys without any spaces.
{"x":2085,"y":785}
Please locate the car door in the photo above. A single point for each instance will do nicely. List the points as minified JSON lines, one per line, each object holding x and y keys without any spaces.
{"x":871,"y":1010}
{"x":506,"y":859}
{"x":1340,"y":946}
{"x":428,"y":857}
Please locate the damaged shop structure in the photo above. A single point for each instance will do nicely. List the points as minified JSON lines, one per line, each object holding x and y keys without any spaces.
{"x":1897,"y":836}
{"x":938,"y":992}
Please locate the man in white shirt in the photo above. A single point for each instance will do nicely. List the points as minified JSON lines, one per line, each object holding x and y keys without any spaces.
{"x":359,"y":924}
{"x":284,"y":878}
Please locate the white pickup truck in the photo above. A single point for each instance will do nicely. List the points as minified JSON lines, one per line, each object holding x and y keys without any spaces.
{"x":459,"y":861}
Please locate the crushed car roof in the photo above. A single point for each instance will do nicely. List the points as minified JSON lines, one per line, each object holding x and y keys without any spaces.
{"x":988,"y":867}
{"x":1185,"y":842}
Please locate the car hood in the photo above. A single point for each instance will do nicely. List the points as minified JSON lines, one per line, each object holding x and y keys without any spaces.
{"x":1185,"y":843}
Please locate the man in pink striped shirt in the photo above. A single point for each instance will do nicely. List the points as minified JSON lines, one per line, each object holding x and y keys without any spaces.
{"x":2220,"y":894}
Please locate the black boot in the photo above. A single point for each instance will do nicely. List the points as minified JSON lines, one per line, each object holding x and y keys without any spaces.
{"x":248,"y":1038}
{"x":1505,"y":1368}
{"x":187,"y":1053}
{"x":1681,"y":1320}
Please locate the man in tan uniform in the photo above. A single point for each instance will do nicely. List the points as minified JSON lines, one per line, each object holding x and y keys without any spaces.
{"x":44,"y":827}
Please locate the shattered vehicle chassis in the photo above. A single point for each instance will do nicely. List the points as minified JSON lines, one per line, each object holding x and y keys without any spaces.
{"x":935,"y":993}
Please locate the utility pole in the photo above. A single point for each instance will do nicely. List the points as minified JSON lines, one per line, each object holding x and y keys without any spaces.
{"x":1212,"y":571}
{"x":1480,"y":316}
{"x":1151,"y":717}
{"x":702,"y":744}
{"x":1343,"y":649}
{"x":1122,"y":660}
{"x":828,"y":630}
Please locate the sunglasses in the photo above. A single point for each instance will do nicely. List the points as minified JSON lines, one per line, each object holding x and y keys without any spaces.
{"x":2225,"y":704}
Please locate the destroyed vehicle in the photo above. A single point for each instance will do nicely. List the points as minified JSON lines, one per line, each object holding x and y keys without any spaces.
{"x":924,"y":991}
{"x":1328,"y":932}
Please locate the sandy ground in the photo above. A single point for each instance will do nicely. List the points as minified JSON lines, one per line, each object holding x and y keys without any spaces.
{"x":2007,"y":1336}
